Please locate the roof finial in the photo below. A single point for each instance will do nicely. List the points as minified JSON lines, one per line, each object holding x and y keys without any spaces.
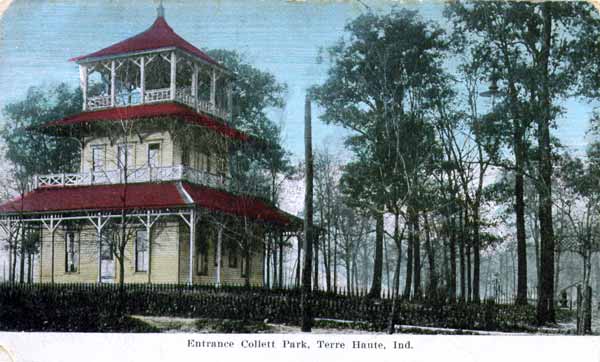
{"x":160,"y":11}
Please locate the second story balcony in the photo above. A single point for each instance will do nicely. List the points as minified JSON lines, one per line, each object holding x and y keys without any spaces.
{"x":182,"y":95}
{"x":136,"y":175}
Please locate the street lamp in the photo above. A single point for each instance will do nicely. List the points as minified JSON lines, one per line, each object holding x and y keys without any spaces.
{"x":493,"y":89}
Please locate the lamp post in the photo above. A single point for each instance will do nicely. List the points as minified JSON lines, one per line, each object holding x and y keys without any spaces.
{"x":493,"y":90}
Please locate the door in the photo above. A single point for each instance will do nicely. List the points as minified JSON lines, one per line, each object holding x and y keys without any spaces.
{"x":107,"y":263}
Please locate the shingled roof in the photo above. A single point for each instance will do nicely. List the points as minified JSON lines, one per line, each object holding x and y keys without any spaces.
{"x":143,"y":196}
{"x":159,"y":36}
{"x":149,"y":111}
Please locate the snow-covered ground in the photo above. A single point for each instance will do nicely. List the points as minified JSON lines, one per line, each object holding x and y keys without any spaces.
{"x":187,"y":325}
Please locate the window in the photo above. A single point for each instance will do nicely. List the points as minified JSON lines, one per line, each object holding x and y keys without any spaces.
{"x":98,"y":158}
{"x":124,"y":156}
{"x":201,"y":252}
{"x":216,"y":250}
{"x":232,"y":256}
{"x":71,"y":251}
{"x":106,"y":248}
{"x":141,"y":251}
{"x":185,"y":156}
{"x":222,"y":166}
{"x":154,"y":155}
{"x":203,"y":162}
{"x":207,"y":163}
{"x":245,"y":269}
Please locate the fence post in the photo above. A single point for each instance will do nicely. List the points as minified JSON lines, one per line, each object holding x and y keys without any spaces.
{"x":579,"y":305}
{"x":587,"y":318}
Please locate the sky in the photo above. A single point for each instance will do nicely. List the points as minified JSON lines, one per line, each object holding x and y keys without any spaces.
{"x":282,"y":37}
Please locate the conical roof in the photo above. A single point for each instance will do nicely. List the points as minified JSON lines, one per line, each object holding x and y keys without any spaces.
{"x":159,"y":36}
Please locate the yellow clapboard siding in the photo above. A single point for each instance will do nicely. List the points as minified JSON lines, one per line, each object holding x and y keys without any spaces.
{"x":139,"y":151}
{"x":169,"y":261}
{"x":229,"y":275}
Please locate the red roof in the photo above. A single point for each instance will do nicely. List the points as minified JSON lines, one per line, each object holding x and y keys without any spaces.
{"x":98,"y":197}
{"x":159,"y":35}
{"x":146,"y":111}
{"x":227,"y":203}
{"x":141,"y":196}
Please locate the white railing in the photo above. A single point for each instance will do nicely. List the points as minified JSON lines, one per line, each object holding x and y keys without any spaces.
{"x":157,"y":95}
{"x":182,"y":95}
{"x":63,"y":179}
{"x":137,"y":175}
{"x":128,"y":98}
{"x":98,"y":102}
{"x":204,"y":178}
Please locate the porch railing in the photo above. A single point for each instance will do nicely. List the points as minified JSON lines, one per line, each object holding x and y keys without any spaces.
{"x":134,"y":175}
{"x":182,"y":95}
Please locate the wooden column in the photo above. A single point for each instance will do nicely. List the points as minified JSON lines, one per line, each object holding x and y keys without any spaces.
{"x":195,"y":85}
{"x":173,"y":75}
{"x":230,"y":100}
{"x":213,"y":87}
{"x":83,"y":80}
{"x":192,"y":239}
{"x":51,"y":227}
{"x":98,"y":224}
{"x":143,"y":80}
{"x":99,"y":240}
{"x":219,"y":255}
{"x":113,"y":83}
{"x":149,"y":237}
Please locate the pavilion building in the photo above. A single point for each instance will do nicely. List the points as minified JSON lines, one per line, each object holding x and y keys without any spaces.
{"x":154,"y":188}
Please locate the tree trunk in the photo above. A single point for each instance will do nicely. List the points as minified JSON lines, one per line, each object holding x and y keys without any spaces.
{"x":29,"y":268}
{"x":280,"y":273}
{"x":584,"y":297}
{"x":316,"y":242}
{"x":463,"y":286}
{"x":121,"y":261}
{"x":10,"y":264}
{"x":268,"y":263}
{"x":335,"y":261}
{"x":375,"y":291}
{"x":355,"y":285}
{"x":418,"y":293}
{"x":520,"y":215}
{"x":22,"y":258}
{"x":14,"y":263}
{"x":597,"y":273}
{"x":327,"y":263}
{"x":248,"y":261}
{"x":468,"y":253}
{"x":219,"y":255}
{"x":476,"y":255}
{"x":432,"y":293}
{"x":409,"y":261}
{"x":557,"y":271}
{"x":387,"y":264}
{"x":348,"y":271}
{"x":536,"y":245}
{"x":395,"y":285}
{"x":446,"y":266}
{"x":452,"y":287}
{"x":545,"y":306}
{"x":306,"y":302}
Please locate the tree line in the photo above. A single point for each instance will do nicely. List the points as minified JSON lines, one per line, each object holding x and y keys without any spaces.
{"x":452,"y":151}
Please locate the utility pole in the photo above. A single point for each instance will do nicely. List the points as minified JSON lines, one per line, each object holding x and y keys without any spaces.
{"x":308,"y":222}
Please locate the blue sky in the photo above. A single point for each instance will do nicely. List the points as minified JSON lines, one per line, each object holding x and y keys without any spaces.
{"x":283,"y":37}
